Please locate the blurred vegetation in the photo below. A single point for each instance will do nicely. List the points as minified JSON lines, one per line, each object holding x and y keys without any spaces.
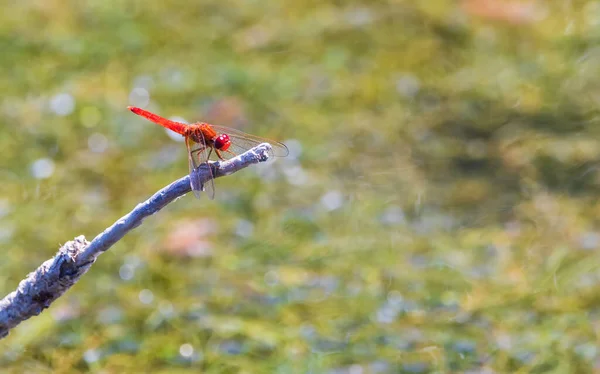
{"x":438,"y":212}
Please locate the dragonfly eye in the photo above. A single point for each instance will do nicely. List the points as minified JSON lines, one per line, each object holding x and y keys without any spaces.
{"x":222,"y":142}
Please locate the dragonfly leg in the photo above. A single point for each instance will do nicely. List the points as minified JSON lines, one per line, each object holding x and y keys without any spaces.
{"x":221,"y":157}
{"x":197,"y":152}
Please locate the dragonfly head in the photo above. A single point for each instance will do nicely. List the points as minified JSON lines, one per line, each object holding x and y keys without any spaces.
{"x":222,"y":142}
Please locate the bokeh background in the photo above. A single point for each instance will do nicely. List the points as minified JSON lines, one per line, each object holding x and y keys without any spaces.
{"x":438,"y":212}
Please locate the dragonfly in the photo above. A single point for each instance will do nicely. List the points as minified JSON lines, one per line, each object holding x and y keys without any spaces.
{"x":203,"y":139}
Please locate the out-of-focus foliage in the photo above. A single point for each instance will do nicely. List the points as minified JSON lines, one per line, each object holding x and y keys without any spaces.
{"x":438,"y":212}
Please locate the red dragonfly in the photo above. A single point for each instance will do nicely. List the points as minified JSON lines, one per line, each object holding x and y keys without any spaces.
{"x":203,"y":138}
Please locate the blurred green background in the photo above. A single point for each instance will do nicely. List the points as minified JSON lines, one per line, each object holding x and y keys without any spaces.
{"x":438,"y":212}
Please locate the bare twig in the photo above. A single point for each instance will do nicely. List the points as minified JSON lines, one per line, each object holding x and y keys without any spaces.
{"x":55,"y":276}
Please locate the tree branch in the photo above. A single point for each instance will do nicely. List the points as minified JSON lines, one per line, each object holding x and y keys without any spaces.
{"x":55,"y":276}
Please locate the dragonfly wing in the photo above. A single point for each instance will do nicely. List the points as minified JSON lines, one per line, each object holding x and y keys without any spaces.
{"x":198,"y":154}
{"x":241,"y":142}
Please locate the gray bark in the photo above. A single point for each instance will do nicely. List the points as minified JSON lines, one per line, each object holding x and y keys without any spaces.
{"x":55,"y":276}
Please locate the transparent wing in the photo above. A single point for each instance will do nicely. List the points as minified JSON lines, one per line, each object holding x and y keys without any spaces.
{"x":198,"y":154}
{"x":241,"y":142}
